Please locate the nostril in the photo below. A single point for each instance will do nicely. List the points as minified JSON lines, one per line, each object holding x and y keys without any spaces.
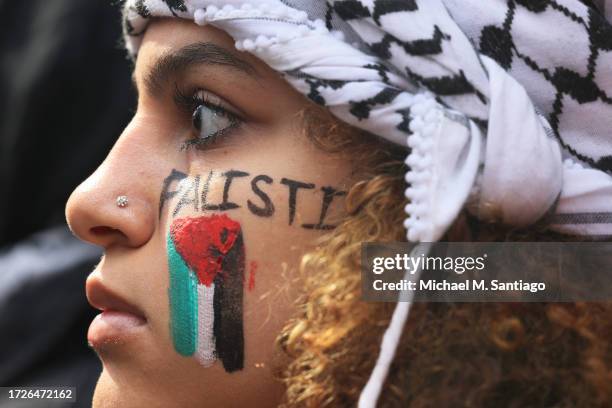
{"x":106,"y":231}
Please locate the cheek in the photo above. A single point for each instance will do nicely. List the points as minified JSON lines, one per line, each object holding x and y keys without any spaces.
{"x":234,"y":238}
{"x":267,"y":206}
{"x":206,"y":260}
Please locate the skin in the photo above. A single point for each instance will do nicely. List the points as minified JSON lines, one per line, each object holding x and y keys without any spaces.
{"x":143,"y":369}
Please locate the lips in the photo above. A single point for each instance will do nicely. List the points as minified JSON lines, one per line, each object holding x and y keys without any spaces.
{"x":119,"y":319}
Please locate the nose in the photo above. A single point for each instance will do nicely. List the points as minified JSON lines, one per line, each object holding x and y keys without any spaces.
{"x":114,"y":206}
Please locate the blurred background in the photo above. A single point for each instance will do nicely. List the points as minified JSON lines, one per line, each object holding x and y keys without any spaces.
{"x":65,"y":96}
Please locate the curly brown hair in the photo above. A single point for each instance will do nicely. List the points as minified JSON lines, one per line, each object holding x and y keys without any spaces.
{"x":464,"y":354}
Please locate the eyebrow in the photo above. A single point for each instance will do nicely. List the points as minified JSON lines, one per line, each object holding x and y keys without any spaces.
{"x":177,"y":62}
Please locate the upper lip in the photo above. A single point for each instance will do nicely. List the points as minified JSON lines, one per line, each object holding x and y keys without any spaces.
{"x":104,"y":299}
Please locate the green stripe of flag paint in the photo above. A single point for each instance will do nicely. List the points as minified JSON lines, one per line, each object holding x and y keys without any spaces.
{"x":183,"y":294}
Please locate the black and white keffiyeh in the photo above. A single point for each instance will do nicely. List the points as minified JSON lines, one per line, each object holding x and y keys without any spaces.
{"x":495,"y":111}
{"x":505,"y":106}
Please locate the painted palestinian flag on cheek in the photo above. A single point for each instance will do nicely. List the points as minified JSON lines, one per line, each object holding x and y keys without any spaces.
{"x":206,"y":263}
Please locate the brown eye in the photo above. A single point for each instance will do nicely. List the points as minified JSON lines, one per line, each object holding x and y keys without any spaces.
{"x":210,"y":122}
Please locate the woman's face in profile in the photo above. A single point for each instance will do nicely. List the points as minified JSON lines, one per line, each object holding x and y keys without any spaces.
{"x":224,"y":194}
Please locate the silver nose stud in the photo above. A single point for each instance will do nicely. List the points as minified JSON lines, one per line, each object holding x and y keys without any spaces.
{"x":122,"y":201}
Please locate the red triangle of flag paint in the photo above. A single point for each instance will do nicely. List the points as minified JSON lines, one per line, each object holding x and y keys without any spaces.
{"x":203,"y":242}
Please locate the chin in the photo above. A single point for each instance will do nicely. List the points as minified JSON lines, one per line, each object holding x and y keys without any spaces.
{"x":109,"y":394}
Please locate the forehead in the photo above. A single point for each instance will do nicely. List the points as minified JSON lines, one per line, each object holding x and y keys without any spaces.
{"x":166,"y":35}
{"x":177,"y":52}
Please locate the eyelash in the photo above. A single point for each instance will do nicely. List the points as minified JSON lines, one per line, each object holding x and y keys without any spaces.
{"x":193,"y":104}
